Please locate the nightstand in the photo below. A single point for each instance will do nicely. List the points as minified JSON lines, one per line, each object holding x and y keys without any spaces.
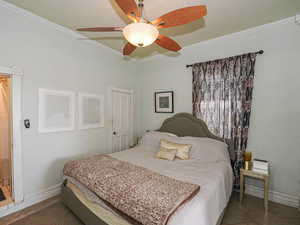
{"x":250,"y":173}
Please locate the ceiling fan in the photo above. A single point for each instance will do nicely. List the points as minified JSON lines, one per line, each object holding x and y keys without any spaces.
{"x":142,"y":32}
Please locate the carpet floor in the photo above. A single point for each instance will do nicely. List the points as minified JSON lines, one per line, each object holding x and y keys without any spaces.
{"x":251,"y":212}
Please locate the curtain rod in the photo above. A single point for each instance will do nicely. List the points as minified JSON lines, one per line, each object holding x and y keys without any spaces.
{"x":260,"y":52}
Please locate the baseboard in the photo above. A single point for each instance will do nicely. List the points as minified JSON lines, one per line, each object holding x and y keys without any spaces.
{"x":274,"y":196}
{"x":31,"y":199}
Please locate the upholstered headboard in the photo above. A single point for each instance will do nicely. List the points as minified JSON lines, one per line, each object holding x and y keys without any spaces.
{"x":184,"y":124}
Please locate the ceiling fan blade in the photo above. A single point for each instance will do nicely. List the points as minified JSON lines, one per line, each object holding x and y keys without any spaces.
{"x":167,"y":43}
{"x":128,"y":49}
{"x":130,"y":8}
{"x":180,"y":16}
{"x":101,"y":29}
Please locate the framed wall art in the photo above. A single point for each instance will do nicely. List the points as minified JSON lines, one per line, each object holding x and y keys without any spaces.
{"x":90,"y":111}
{"x":164,"y":102}
{"x":56,"y":111}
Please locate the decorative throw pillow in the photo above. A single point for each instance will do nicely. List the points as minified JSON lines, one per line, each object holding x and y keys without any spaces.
{"x":166,"y":153}
{"x":182,"y":149}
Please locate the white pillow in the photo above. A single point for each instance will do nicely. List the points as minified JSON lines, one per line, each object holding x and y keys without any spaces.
{"x":207,"y":149}
{"x":152,"y":138}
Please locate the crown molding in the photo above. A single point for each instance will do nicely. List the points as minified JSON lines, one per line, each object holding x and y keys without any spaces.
{"x":76,"y":35}
{"x":30,"y":16}
{"x":38,"y":19}
{"x":288,"y":20}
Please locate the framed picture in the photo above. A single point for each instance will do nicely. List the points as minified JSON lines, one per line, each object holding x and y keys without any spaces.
{"x":164,"y":102}
{"x":90,"y":111}
{"x":56,"y":111}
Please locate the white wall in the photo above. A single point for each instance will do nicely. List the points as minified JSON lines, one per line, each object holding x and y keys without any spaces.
{"x":55,"y":58}
{"x":274,"y":132}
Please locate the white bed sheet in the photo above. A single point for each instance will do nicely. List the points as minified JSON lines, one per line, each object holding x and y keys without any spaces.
{"x":215,"y":180}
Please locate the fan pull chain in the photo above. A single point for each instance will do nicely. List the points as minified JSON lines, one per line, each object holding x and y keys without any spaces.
{"x":141,"y":7}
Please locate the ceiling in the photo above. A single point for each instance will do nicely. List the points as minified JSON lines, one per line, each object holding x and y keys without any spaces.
{"x":224,"y":17}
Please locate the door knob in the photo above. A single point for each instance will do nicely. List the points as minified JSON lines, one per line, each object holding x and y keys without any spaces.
{"x":114,"y":133}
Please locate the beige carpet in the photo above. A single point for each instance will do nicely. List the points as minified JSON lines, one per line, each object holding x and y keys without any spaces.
{"x":250,"y":213}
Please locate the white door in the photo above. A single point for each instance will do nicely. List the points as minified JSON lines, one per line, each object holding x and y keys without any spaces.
{"x":122,"y":116}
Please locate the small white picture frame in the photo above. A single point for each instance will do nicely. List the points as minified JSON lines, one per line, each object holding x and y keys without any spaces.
{"x":90,"y":111}
{"x":164,"y":102}
{"x":56,"y":111}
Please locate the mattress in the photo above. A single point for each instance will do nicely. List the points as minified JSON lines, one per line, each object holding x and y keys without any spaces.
{"x":215,"y":179}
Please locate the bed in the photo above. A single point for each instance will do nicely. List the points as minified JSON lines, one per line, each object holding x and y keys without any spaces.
{"x":215,"y":178}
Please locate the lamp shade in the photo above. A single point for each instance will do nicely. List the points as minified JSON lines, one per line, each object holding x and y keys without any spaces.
{"x":140,"y":34}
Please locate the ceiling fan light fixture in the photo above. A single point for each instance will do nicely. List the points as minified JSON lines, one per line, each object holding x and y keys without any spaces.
{"x":140,"y":34}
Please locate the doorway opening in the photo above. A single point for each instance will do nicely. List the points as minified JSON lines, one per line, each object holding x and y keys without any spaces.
{"x":5,"y":141}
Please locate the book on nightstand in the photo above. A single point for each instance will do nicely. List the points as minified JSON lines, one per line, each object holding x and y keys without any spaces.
{"x":260,"y":166}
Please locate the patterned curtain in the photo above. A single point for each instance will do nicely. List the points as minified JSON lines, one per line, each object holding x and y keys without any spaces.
{"x":222,"y":95}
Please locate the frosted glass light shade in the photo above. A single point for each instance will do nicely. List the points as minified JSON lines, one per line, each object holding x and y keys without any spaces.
{"x":140,"y":34}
